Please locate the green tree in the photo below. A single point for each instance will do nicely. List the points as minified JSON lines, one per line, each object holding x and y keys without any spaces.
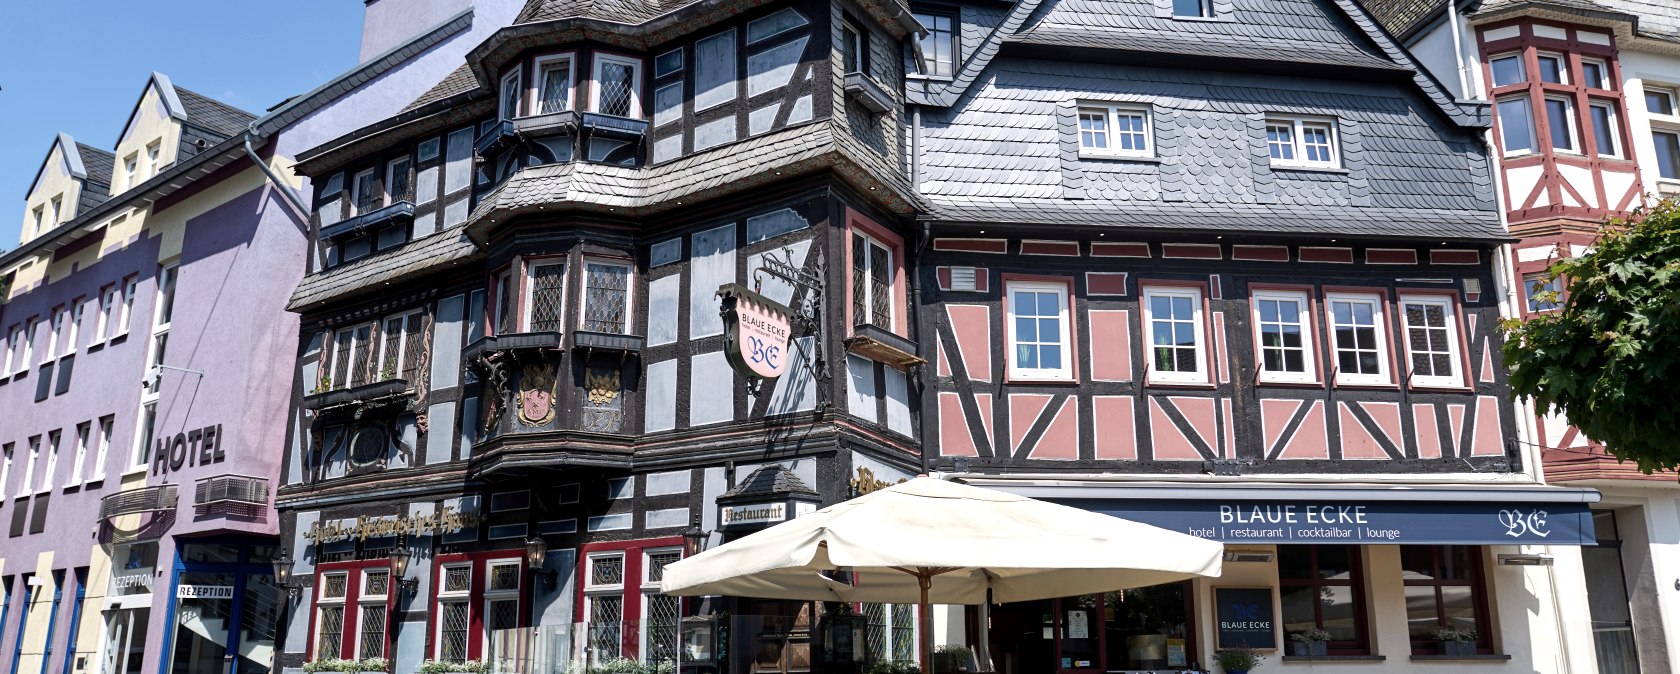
{"x":1609,"y":359}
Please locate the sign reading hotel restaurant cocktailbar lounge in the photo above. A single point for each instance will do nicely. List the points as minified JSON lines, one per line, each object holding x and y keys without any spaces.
{"x":755,"y":331}
{"x":1385,"y":522}
{"x":445,"y":521}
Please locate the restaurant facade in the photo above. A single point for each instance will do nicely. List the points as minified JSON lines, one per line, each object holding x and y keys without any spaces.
{"x":632,"y":281}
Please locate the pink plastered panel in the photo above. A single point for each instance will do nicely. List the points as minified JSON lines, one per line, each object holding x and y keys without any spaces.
{"x":1428,"y":432}
{"x":1310,"y":440}
{"x":1061,"y":439}
{"x":972,"y":324}
{"x":1274,"y":419}
{"x":1489,"y":437}
{"x":1111,"y":345}
{"x":1115,"y":426}
{"x":1357,"y":443}
{"x":1024,"y":410}
{"x":954,"y":436}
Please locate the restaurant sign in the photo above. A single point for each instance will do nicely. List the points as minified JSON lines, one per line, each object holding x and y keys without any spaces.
{"x":1388,"y":522}
{"x":445,"y":521}
{"x":756,"y":331}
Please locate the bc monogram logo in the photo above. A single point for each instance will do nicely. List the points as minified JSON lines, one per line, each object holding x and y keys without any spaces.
{"x":761,"y":354}
{"x":1518,"y":524}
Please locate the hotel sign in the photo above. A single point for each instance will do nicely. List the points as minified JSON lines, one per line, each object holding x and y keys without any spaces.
{"x":204,"y":592}
{"x":445,"y":521}
{"x":756,"y":331}
{"x":1386,"y":522}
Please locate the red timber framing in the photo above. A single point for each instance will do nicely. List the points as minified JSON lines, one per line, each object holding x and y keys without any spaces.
{"x":1552,"y":195}
{"x":350,"y":626}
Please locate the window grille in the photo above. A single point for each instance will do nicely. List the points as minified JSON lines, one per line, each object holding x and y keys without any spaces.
{"x":616,"y":82}
{"x":661,"y":624}
{"x":330,"y":632}
{"x":413,"y":334}
{"x":606,"y":615}
{"x":452,"y":638}
{"x":504,"y":577}
{"x":606,"y":571}
{"x":548,"y":298}
{"x":457,"y":579}
{"x":903,"y":632}
{"x":372,"y":628}
{"x":606,"y":307}
{"x":1426,"y":331}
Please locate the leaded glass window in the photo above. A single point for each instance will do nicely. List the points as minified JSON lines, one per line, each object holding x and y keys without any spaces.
{"x":504,"y":577}
{"x":606,"y":571}
{"x":413,"y":333}
{"x":548,"y":297}
{"x":504,"y":303}
{"x":452,"y":635}
{"x":656,"y":563}
{"x":457,"y":579}
{"x":329,"y":632}
{"x":616,"y":81}
{"x":372,"y":627}
{"x":391,"y":350}
{"x":606,"y":615}
{"x":872,"y":276}
{"x":606,"y":303}
{"x":376,"y":583}
{"x":501,"y":614}
{"x":660,"y":623}
{"x":903,"y":632}
{"x":554,"y":82}
{"x":334,"y":587}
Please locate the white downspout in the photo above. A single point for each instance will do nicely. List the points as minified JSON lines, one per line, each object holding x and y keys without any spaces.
{"x":1458,"y":50}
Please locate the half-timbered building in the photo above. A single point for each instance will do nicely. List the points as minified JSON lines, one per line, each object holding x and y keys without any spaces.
{"x":1226,"y":267}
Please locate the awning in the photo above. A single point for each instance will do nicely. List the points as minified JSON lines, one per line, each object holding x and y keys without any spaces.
{"x":1322,"y":513}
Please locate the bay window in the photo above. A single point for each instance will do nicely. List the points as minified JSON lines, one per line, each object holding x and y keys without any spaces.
{"x":352,"y":357}
{"x":545,"y":303}
{"x":1543,"y":291}
{"x":1283,"y":328}
{"x":505,"y":292}
{"x":872,"y":282}
{"x":552,"y":88}
{"x":1553,"y":68}
{"x":606,"y":297}
{"x":1356,"y":338}
{"x":1431,"y":340}
{"x":507,"y":104}
{"x":1039,"y":330}
{"x":1594,"y":73}
{"x":400,"y":345}
{"x":1560,"y":123}
{"x":1606,"y":130}
{"x":1173,"y":318}
{"x":1516,"y":124}
{"x":1507,"y":69}
{"x":363,"y":196}
{"x":397,"y":184}
{"x":618,"y":83}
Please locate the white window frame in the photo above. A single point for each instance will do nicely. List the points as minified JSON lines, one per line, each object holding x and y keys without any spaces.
{"x":14,"y":339}
{"x":629,"y":290}
{"x":356,"y":189}
{"x":371,"y":344}
{"x":1298,"y":141}
{"x":131,"y":170}
{"x":1614,"y":141}
{"x":590,"y":589}
{"x":1111,"y":120}
{"x":1669,"y":92}
{"x":1309,"y":375}
{"x":363,"y":599}
{"x":138,"y":458}
{"x":535,"y":90}
{"x":1199,"y":325}
{"x":528,"y":298}
{"x":1571,"y":124}
{"x":500,"y":595}
{"x":322,"y":602}
{"x":1562,"y":67}
{"x":1533,"y":128}
{"x":57,"y":210}
{"x":40,"y":217}
{"x":650,"y":588}
{"x":6,"y":467}
{"x":635,"y":77}
{"x":107,"y":425}
{"x":107,"y":312}
{"x":402,"y":342}
{"x":55,"y":440}
{"x":1522,"y":68}
{"x":1454,"y":349}
{"x":407,"y":164}
{"x":27,"y":485}
{"x":451,"y":596}
{"x":1665,"y":131}
{"x":892,"y":283}
{"x":1064,"y":341}
{"x":154,"y":157}
{"x":859,"y":46}
{"x":514,"y":81}
{"x":1603,"y":72}
{"x":1206,"y":7}
{"x":1381,"y":377}
{"x":28,"y":343}
{"x":55,"y":332}
{"x":73,"y":329}
{"x":130,"y":287}
{"x":1533,"y":279}
{"x":84,"y":435}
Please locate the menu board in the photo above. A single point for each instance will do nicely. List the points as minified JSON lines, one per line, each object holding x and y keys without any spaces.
{"x":1245,"y":617}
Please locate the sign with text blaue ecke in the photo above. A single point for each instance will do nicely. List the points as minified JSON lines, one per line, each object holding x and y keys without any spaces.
{"x":1245,"y":617}
{"x":756,"y":331}
{"x":1359,"y":522}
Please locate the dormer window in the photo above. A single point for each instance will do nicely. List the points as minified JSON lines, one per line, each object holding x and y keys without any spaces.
{"x":397,"y":181}
{"x":1302,"y":142}
{"x":617,"y":82}
{"x":552,"y":89}
{"x":1114,"y":131}
{"x":509,"y":99}
{"x":939,"y":46}
{"x":55,"y":212}
{"x":40,"y":218}
{"x":1193,"y":9}
{"x":154,"y":157}
{"x":131,"y":167}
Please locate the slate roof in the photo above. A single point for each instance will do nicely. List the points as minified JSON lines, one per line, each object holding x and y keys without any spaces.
{"x":96,"y":188}
{"x":419,"y":257}
{"x":1653,"y":19}
{"x":213,"y":115}
{"x":458,"y":81}
{"x":1273,"y":30}
{"x":617,"y":11}
{"x":769,"y":480}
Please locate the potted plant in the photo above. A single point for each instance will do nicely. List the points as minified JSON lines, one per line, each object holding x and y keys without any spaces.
{"x":893,"y":667}
{"x":1238,"y":660}
{"x":446,"y":667}
{"x":347,"y":666}
{"x":1455,"y":642}
{"x":1310,"y":642}
{"x":952,"y":658}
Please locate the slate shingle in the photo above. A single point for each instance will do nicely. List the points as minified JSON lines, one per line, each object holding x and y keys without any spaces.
{"x":213,"y":115}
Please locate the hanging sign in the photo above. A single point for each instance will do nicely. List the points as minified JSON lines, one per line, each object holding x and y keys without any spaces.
{"x":756,"y":331}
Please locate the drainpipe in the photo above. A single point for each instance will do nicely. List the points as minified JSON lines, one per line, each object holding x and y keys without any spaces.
{"x":274,"y":178}
{"x":1458,"y":50}
{"x":916,"y":148}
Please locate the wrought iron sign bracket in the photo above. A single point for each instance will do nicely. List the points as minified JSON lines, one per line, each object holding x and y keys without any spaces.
{"x":808,"y":313}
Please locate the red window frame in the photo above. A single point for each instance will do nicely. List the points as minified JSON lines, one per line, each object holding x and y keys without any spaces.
{"x":475,"y":601}
{"x":1314,"y":337}
{"x":630,"y":590}
{"x":1477,"y":582}
{"x":351,"y":634}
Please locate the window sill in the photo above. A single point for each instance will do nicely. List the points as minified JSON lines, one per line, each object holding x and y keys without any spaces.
{"x":1480,"y":657}
{"x":1334,"y":658}
{"x":134,"y":471}
{"x":1304,"y":168}
{"x":1134,"y":158}
{"x":1156,"y":383}
{"x":1289,"y":383}
{"x":930,"y":78}
{"x":1202,"y":19}
{"x":117,"y":339}
{"x":1039,"y":379}
{"x":1452,"y":388}
{"x":1368,"y":386}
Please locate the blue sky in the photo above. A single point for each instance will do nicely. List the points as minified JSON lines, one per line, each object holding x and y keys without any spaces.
{"x":78,"y":66}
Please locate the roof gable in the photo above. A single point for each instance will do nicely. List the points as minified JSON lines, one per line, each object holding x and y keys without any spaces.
{"x":70,"y":162}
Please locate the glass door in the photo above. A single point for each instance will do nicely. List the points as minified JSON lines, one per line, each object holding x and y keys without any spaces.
{"x":1607,"y":599}
{"x":125,"y":640}
{"x":226,"y":608}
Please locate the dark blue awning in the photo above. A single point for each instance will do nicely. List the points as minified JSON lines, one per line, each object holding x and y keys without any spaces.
{"x":1320,"y":513}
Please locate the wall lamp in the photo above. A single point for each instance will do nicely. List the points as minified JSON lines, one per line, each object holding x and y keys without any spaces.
{"x":536,"y":552}
{"x":400,"y":556}
{"x":283,"y":576}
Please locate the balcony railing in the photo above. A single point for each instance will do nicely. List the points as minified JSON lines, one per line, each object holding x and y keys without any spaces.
{"x":136,"y":501}
{"x":231,"y":489}
{"x":692,"y":645}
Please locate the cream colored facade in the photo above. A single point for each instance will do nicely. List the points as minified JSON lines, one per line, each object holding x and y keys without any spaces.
{"x":55,"y":194}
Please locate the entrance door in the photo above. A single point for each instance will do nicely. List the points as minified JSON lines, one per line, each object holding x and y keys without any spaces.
{"x":1607,"y":599}
{"x":125,"y":640}
{"x":226,"y":608}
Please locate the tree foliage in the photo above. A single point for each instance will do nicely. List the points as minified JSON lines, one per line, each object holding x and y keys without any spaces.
{"x":1609,"y":359}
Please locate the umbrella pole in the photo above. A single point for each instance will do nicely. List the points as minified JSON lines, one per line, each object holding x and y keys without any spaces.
{"x":925,"y":578}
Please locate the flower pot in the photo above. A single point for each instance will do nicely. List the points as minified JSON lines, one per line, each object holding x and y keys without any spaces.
{"x":1458,"y":649}
{"x":1308,"y":649}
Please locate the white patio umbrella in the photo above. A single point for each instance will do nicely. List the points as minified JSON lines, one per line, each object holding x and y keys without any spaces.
{"x":940,"y":542}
